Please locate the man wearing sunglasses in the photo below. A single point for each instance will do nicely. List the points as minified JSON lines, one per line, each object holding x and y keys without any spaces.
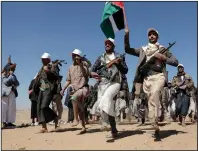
{"x":154,"y":79}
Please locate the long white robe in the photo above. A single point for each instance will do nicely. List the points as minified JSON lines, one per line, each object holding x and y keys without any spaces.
{"x":8,"y":106}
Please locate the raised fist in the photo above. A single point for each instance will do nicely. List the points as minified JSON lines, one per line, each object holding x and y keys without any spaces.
{"x":126,"y":31}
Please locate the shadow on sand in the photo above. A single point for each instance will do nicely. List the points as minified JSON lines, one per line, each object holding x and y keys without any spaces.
{"x":65,"y":130}
{"x":167,"y":133}
{"x":187,"y":123}
{"x":162,"y":134}
{"x":124,"y":134}
{"x":94,"y":130}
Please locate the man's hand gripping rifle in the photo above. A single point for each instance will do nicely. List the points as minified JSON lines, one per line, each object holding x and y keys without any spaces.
{"x":56,"y":69}
{"x":55,"y":65}
{"x":146,"y":66}
{"x":109,"y":70}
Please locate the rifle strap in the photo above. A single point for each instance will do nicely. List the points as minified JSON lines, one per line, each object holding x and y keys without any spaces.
{"x":120,"y":76}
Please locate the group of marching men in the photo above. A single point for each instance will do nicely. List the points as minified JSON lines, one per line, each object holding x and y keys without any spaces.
{"x":152,"y":98}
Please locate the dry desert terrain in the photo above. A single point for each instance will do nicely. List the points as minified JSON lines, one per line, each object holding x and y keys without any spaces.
{"x":131,"y":137}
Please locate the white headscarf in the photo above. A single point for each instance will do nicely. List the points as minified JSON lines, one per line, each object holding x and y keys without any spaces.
{"x":151,"y":49}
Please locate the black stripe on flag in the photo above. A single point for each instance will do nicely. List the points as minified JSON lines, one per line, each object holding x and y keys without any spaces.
{"x":119,"y":19}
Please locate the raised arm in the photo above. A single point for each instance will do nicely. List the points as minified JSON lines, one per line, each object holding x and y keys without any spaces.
{"x":128,"y":49}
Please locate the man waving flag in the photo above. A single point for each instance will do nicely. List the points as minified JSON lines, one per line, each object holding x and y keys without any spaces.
{"x":112,"y":19}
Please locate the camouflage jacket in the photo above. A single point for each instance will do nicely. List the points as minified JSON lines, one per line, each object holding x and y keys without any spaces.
{"x":188,"y":82}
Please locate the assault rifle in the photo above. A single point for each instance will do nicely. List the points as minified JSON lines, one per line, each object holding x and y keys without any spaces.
{"x":59,"y":62}
{"x":146,"y":66}
{"x":109,"y":70}
{"x":179,"y":88}
{"x":55,"y":64}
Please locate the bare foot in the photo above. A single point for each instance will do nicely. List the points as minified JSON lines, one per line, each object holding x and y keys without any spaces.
{"x":75,"y":123}
{"x":83,"y":131}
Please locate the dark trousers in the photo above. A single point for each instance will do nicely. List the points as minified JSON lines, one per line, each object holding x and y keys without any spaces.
{"x":70,"y":115}
{"x":112,"y":122}
{"x":86,"y":114}
{"x":33,"y":109}
{"x":182,"y":104}
{"x":44,"y":112}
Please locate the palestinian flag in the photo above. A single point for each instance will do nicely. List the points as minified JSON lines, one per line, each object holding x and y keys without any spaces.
{"x":112,"y":19}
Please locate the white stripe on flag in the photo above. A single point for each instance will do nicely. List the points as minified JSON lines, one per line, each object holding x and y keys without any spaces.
{"x":115,"y":28}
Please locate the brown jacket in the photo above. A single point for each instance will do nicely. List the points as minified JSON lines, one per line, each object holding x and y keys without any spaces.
{"x":139,"y":52}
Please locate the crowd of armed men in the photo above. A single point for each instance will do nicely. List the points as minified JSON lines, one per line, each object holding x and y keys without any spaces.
{"x":153,"y":98}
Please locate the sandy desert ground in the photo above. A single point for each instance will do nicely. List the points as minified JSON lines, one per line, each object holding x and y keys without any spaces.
{"x":131,"y":137}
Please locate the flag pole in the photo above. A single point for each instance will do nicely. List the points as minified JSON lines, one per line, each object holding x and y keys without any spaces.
{"x":125,"y":20}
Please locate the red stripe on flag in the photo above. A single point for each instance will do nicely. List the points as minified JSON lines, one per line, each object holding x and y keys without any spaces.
{"x":119,"y":4}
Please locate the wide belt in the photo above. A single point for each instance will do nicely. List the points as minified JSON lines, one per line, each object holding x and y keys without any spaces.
{"x":151,"y":72}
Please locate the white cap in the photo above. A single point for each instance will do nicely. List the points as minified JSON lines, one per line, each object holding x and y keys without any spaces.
{"x":169,"y":81}
{"x":152,"y":29}
{"x":45,"y":56}
{"x":180,"y":65}
{"x":112,"y":40}
{"x":77,"y":52}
